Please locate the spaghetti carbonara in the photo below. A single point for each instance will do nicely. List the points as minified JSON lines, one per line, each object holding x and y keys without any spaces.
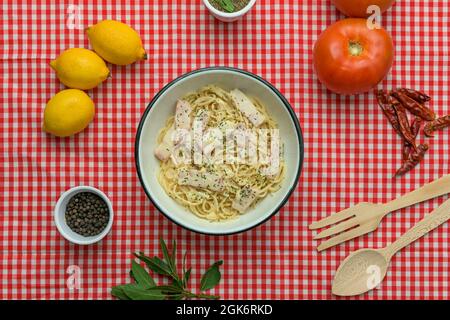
{"x":219,"y":177}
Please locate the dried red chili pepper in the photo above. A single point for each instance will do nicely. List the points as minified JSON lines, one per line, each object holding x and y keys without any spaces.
{"x":416,"y":95}
{"x":415,"y":129}
{"x":406,"y":150}
{"x":403,"y":121}
{"x":415,"y":126}
{"x":438,"y":124}
{"x":415,"y":107}
{"x":414,"y":159}
{"x":388,"y":110}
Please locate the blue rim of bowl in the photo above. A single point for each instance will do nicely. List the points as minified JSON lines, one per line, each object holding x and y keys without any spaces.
{"x":285,"y":103}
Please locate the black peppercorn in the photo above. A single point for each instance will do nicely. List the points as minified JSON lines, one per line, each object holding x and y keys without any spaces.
{"x":87,"y":214}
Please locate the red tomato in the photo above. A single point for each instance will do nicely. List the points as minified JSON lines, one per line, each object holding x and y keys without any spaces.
{"x":350,"y":58}
{"x":358,"y":8}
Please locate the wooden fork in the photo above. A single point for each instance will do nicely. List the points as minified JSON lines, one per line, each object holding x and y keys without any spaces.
{"x":366,"y":217}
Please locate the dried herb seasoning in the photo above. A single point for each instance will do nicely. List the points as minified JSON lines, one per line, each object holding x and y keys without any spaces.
{"x":229,"y":5}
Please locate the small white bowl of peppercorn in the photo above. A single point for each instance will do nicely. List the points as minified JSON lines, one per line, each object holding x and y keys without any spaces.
{"x":84,"y":215}
{"x":228,"y":10}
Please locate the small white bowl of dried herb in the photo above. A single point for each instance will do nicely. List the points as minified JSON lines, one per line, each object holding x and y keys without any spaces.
{"x":228,"y":10}
{"x":83,"y":215}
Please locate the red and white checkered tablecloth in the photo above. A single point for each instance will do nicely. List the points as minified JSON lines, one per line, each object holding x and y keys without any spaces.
{"x":351,"y":150}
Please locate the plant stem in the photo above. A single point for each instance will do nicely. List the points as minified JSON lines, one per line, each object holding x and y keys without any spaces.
{"x":199,"y":295}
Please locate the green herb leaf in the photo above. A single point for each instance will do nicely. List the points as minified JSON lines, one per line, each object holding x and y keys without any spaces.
{"x":141,"y":276}
{"x":136,"y":292}
{"x":167,"y":289}
{"x":170,"y":261}
{"x":166,"y":255}
{"x":176,"y":297}
{"x":227,"y":5}
{"x":211,"y":277}
{"x":174,"y":256}
{"x":164,"y":267}
{"x":155,"y":264}
{"x":117,"y":292}
{"x":145,"y":288}
{"x":183,"y":269}
{"x":187,"y":275}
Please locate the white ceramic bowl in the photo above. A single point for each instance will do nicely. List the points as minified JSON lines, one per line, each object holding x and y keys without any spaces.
{"x":60,"y":220}
{"x":163,"y":106}
{"x":227,"y":16}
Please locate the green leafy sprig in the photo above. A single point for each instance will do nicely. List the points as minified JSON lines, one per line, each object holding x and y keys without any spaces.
{"x":145,"y":287}
{"x":227,"y":5}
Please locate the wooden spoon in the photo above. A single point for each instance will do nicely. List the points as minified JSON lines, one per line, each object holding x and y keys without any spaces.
{"x":364,"y":269}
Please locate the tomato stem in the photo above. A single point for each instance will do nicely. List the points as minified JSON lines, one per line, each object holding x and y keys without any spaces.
{"x":355,"y":48}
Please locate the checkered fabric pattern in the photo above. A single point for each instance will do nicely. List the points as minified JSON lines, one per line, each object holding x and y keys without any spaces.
{"x":351,"y":150}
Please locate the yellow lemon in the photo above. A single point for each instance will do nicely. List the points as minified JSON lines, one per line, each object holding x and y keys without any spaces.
{"x":116,"y":42}
{"x":68,"y":112}
{"x":80,"y":68}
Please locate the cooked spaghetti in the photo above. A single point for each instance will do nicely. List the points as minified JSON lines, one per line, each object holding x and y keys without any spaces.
{"x":217,"y":191}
